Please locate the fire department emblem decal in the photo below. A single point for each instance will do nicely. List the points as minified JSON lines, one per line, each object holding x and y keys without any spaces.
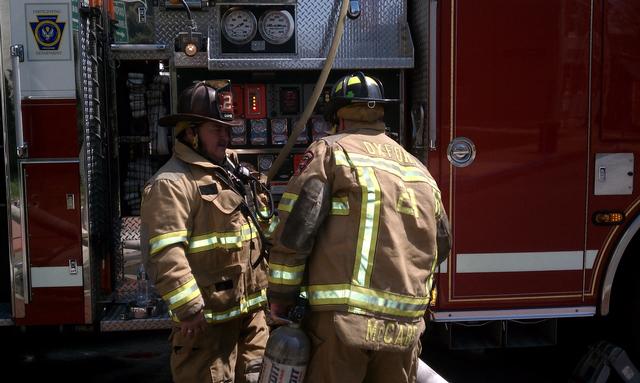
{"x":47,"y":32}
{"x":304,"y":162}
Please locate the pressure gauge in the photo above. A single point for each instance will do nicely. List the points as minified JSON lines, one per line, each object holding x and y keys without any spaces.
{"x":239,"y":26}
{"x":276,"y":26}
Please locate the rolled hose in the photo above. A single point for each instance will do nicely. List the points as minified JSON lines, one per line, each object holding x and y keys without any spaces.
{"x":302,"y":122}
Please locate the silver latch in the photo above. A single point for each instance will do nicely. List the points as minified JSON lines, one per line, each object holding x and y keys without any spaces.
{"x":71,"y":201}
{"x":602,"y":174}
{"x":22,"y":151}
{"x":17,"y":50}
{"x":73,"y":266}
{"x":461,"y":152}
{"x":354,"y":9}
{"x":142,"y":14}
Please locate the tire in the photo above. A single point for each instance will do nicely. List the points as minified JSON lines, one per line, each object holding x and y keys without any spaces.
{"x":634,"y":347}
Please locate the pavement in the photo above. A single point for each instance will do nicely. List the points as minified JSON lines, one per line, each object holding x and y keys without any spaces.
{"x":69,"y":355}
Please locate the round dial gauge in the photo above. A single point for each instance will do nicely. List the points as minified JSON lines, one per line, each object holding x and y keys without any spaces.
{"x":239,"y":26}
{"x":276,"y":26}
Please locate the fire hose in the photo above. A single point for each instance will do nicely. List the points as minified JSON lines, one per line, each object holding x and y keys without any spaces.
{"x":302,"y":122}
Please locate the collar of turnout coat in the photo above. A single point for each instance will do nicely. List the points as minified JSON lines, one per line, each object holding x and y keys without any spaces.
{"x":352,"y":126}
{"x":188,"y":155}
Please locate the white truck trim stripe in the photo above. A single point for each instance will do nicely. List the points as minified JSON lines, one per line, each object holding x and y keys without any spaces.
{"x":518,"y":262}
{"x":57,"y":276}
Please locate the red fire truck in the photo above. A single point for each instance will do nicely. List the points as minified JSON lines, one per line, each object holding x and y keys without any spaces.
{"x":527,"y":113}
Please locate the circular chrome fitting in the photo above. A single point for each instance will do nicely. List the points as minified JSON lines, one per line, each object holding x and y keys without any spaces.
{"x":461,"y":152}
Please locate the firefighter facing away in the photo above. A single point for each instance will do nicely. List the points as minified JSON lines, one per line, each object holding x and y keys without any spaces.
{"x":200,"y":245}
{"x":362,"y":227}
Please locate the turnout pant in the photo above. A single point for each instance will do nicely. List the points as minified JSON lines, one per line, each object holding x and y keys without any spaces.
{"x":332,"y":361}
{"x":226,"y":352}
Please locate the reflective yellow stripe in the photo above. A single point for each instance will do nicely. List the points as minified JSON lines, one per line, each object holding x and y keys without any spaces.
{"x":368,"y":230}
{"x":287,"y":201}
{"x":407,"y":203}
{"x":369,"y":300}
{"x":430,"y":280}
{"x":182,"y":295}
{"x":285,"y":275}
{"x":159,"y":242}
{"x":246,"y":305}
{"x":272,"y":226}
{"x":340,"y":206}
{"x":406,"y":173}
{"x":223,"y":240}
{"x":436,"y":197}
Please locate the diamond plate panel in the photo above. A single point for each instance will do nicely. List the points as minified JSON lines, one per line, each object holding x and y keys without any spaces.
{"x":142,"y":55}
{"x":379,"y":38}
{"x":183,"y":61}
{"x":130,"y":229}
{"x":170,"y":22}
{"x":117,"y":319}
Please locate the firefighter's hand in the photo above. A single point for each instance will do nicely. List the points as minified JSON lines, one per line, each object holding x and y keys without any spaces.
{"x":279,"y":313}
{"x":193,"y":325}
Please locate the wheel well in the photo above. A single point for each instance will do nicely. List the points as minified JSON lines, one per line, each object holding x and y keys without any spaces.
{"x":622,"y":324}
{"x":620,"y":264}
{"x":626,"y":276}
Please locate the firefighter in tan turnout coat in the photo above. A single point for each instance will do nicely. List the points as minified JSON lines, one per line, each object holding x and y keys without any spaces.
{"x":361,"y":229}
{"x":200,"y":246}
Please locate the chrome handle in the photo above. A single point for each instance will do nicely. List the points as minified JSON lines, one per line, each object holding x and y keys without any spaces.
{"x":354,"y":9}
{"x":417,"y":126}
{"x":433,"y":75}
{"x":17,"y":56}
{"x":461,"y":152}
{"x":26,"y":262}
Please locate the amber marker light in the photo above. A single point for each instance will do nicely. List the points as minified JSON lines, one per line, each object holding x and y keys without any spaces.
{"x":608,"y":218}
{"x":190,"y":49}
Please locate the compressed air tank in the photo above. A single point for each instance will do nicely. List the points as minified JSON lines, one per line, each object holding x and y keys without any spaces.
{"x":286,"y":356}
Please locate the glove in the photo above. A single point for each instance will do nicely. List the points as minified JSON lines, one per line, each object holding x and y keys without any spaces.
{"x":279,"y":313}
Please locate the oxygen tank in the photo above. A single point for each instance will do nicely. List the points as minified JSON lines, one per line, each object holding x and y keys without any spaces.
{"x":287,"y":353}
{"x":427,"y":375}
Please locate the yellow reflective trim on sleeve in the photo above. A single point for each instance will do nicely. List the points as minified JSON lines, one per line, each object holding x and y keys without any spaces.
{"x":275,"y":220}
{"x":367,"y":299}
{"x":339,"y":206}
{"x":223,"y":240}
{"x":182,"y":295}
{"x":245,"y":305}
{"x":287,"y":201}
{"x":406,"y":173}
{"x":285,"y":275}
{"x":159,"y":242}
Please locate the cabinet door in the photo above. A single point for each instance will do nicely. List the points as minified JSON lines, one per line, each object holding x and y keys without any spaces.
{"x":519,"y":91}
{"x":54,"y":243}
